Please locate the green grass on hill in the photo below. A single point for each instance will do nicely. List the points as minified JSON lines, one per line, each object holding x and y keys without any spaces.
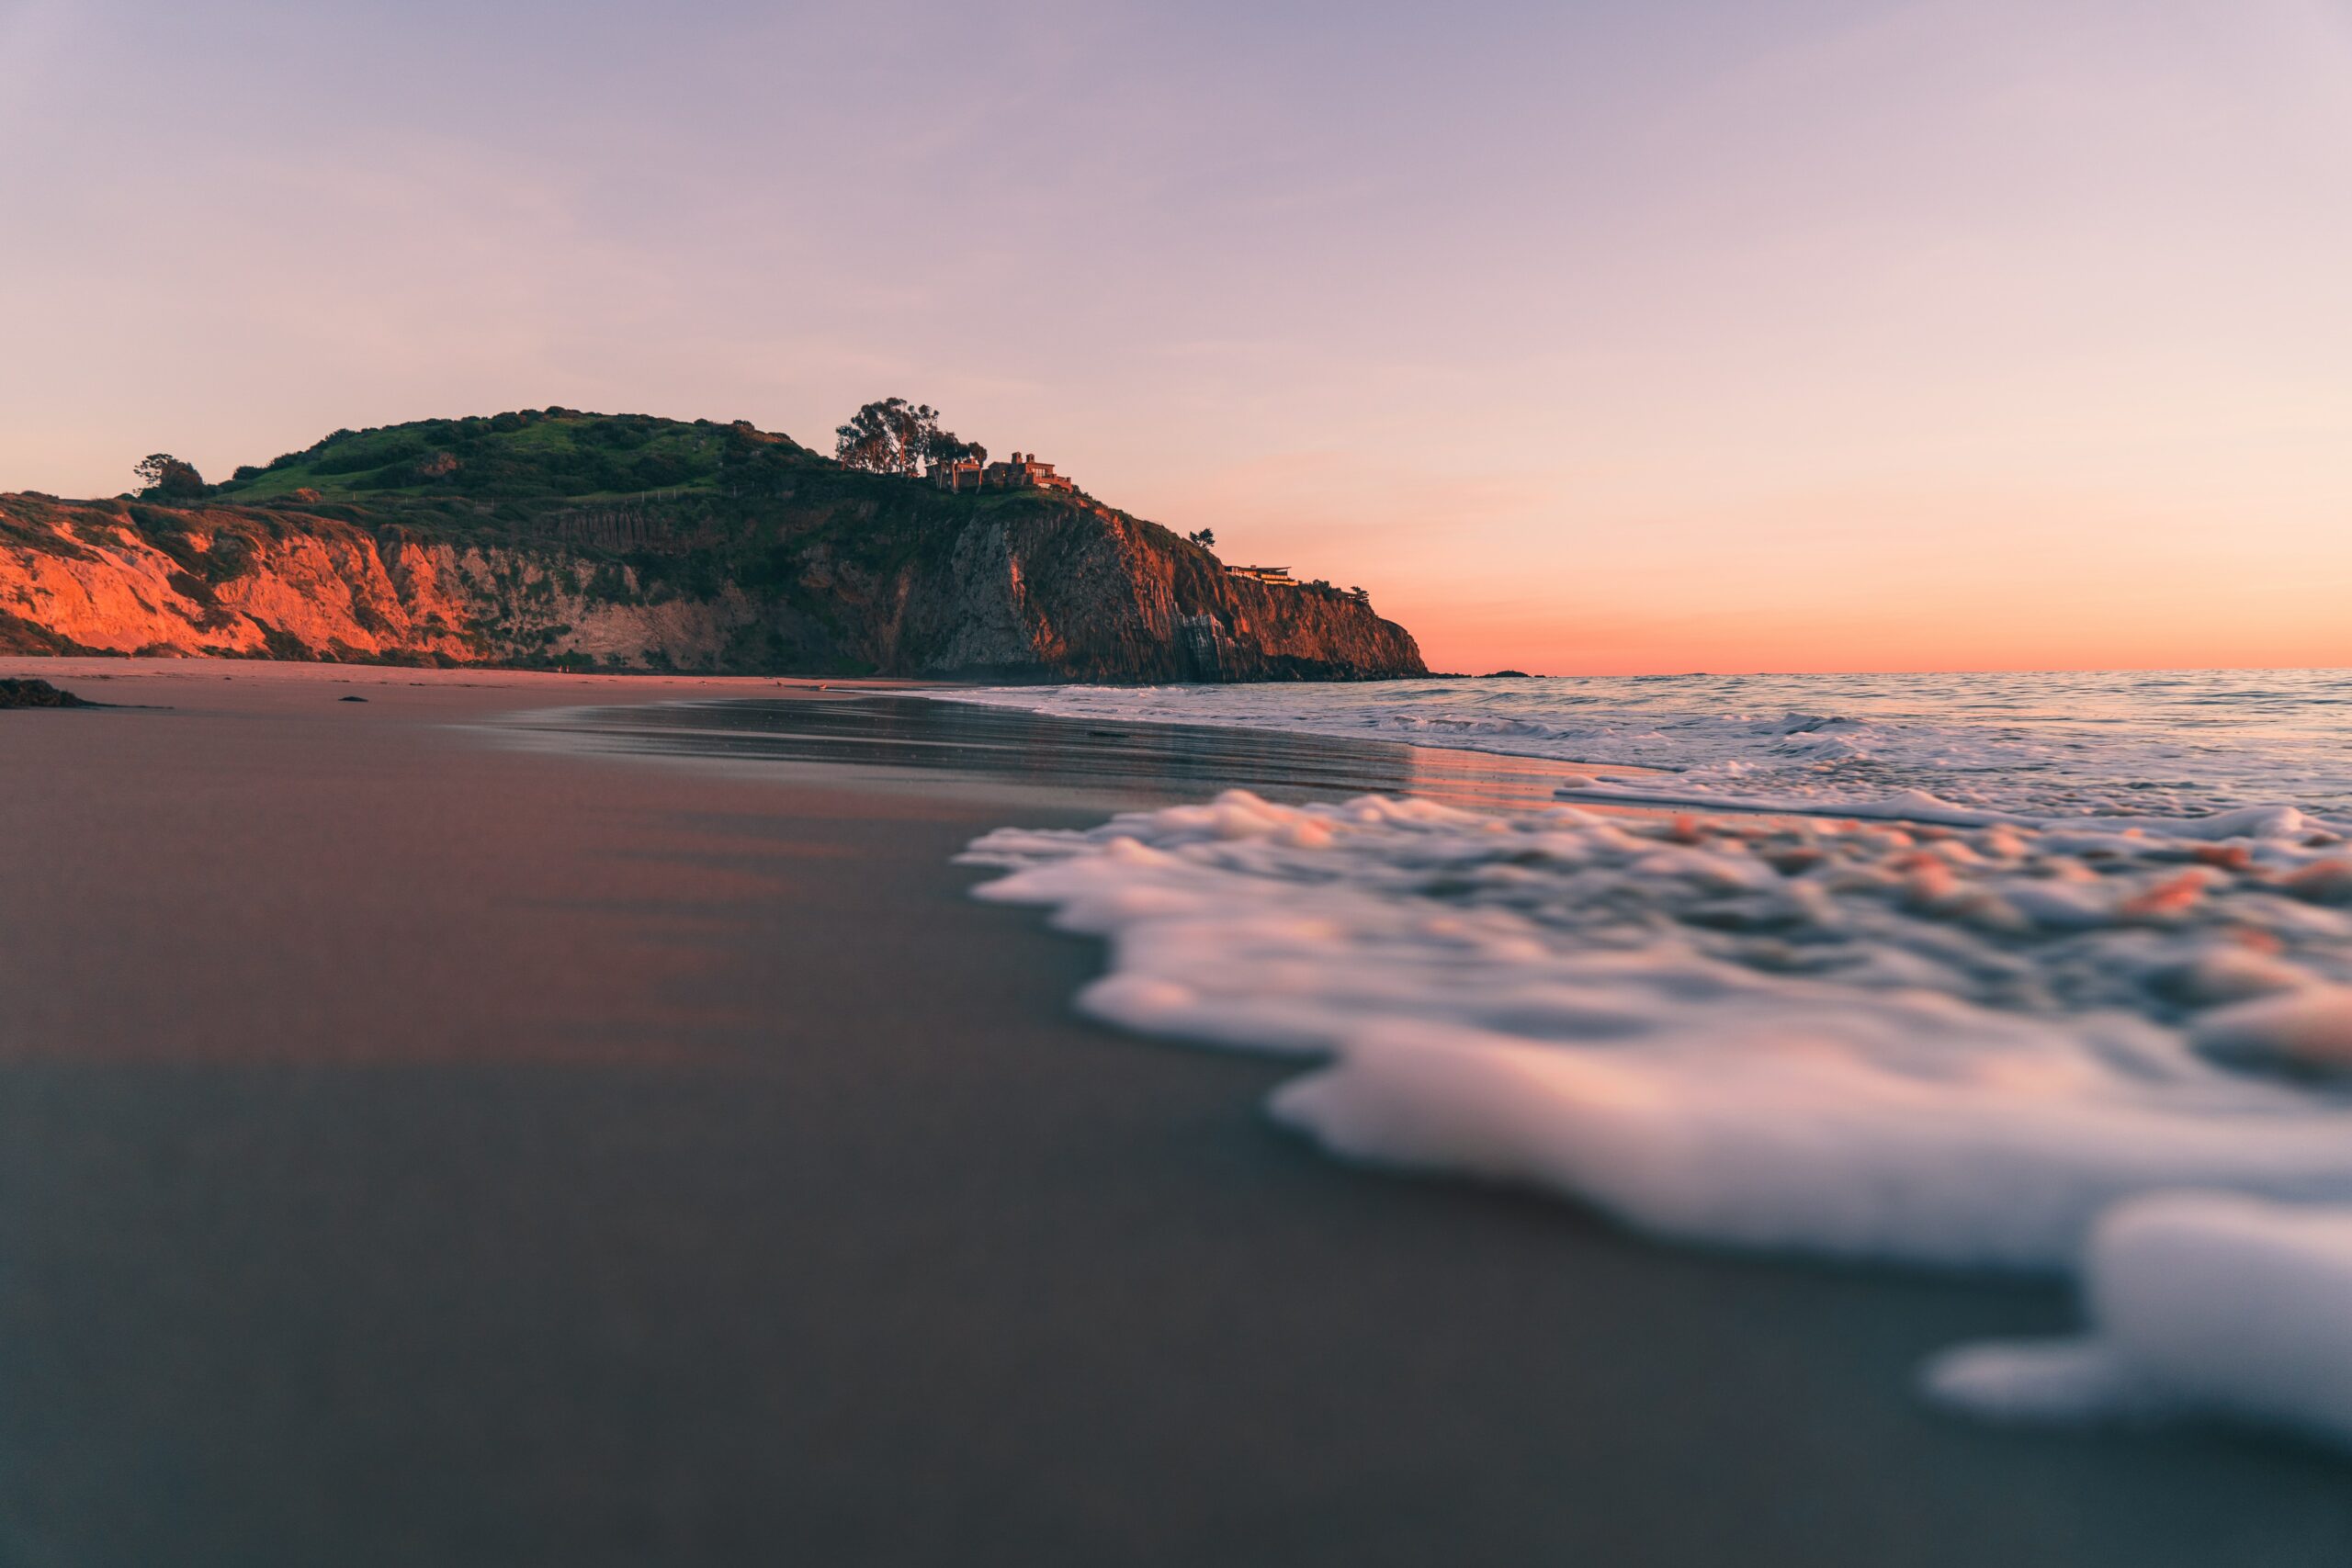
{"x":536,"y":474}
{"x":690,"y":507}
{"x":530,"y":460}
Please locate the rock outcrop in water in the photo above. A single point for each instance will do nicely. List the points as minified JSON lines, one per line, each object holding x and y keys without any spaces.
{"x":561,"y":538}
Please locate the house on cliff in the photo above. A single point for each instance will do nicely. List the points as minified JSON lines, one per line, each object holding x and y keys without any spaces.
{"x":1280,"y":577}
{"x":1017,"y":472}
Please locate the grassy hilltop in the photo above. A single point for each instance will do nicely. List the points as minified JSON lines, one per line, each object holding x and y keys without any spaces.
{"x":519,"y":463}
{"x":689,"y":507}
{"x":713,"y":502}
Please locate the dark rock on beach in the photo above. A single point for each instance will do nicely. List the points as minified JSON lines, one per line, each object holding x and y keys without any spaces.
{"x":38,"y":695}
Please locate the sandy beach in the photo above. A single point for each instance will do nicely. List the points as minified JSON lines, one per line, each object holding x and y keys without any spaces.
{"x":431,"y":1138}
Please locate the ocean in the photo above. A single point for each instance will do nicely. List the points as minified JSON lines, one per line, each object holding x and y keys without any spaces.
{"x":2162,"y":742}
{"x":2023,"y":973}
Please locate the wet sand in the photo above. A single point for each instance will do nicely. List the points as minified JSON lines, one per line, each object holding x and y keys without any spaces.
{"x":424,"y":1144}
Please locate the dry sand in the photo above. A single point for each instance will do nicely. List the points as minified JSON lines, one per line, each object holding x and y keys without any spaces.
{"x":416,"y":1150}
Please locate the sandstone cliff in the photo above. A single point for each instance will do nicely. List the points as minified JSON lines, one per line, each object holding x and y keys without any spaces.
{"x":778,"y":563}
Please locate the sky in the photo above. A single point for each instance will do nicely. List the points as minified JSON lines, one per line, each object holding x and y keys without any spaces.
{"x":1589,"y":338}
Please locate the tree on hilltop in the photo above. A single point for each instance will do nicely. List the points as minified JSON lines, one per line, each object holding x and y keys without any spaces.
{"x":895,"y":436}
{"x":169,"y":478}
{"x":1204,"y":537}
{"x":882,"y":437}
{"x":945,"y":448}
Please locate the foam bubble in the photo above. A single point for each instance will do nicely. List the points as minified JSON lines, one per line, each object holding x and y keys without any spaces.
{"x":2200,"y":1302}
{"x":2307,"y":1027}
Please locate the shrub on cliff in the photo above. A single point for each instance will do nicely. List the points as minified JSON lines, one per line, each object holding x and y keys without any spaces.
{"x":169,"y":479}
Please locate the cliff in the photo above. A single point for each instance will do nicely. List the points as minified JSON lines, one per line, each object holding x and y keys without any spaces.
{"x":521,"y":541}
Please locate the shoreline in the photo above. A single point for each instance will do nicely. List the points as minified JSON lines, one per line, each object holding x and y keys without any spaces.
{"x":422,"y":1149}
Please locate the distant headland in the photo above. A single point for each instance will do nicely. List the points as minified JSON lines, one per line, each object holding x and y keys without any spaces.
{"x":559,"y":538}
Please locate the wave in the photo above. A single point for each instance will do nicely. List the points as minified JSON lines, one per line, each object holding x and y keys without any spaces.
{"x":2097,"y":1048}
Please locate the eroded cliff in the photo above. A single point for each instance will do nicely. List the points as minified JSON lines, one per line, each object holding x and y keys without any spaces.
{"x":766,"y":564}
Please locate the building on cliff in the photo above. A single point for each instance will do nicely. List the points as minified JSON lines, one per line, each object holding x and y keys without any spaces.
{"x":1017,"y":472}
{"x":1276,"y":576}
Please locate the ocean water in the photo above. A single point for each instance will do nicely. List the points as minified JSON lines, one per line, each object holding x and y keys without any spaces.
{"x":2037,"y":974}
{"x":2161,"y":743}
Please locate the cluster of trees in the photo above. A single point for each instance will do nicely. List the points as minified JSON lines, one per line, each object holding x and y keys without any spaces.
{"x":166,"y":478}
{"x":895,"y":436}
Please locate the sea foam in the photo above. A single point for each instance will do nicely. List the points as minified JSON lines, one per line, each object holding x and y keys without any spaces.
{"x":2102,"y":1050}
{"x":2198,"y":1300}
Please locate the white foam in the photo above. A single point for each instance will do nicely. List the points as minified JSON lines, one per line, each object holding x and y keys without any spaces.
{"x":2307,"y":1027}
{"x":1966,"y":1048}
{"x":2283,"y":822}
{"x":1903,"y":806}
{"x":2200,"y":1302}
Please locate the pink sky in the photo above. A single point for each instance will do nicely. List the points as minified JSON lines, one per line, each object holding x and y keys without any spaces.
{"x":1608,"y":338}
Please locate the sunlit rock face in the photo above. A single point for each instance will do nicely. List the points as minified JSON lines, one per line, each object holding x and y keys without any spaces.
{"x":835,"y":574}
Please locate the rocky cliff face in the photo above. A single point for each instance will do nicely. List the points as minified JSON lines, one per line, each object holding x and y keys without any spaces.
{"x":1089,"y":595}
{"x":1049,"y":589}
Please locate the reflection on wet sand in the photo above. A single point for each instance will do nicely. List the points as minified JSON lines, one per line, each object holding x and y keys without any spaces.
{"x":1145,"y":761}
